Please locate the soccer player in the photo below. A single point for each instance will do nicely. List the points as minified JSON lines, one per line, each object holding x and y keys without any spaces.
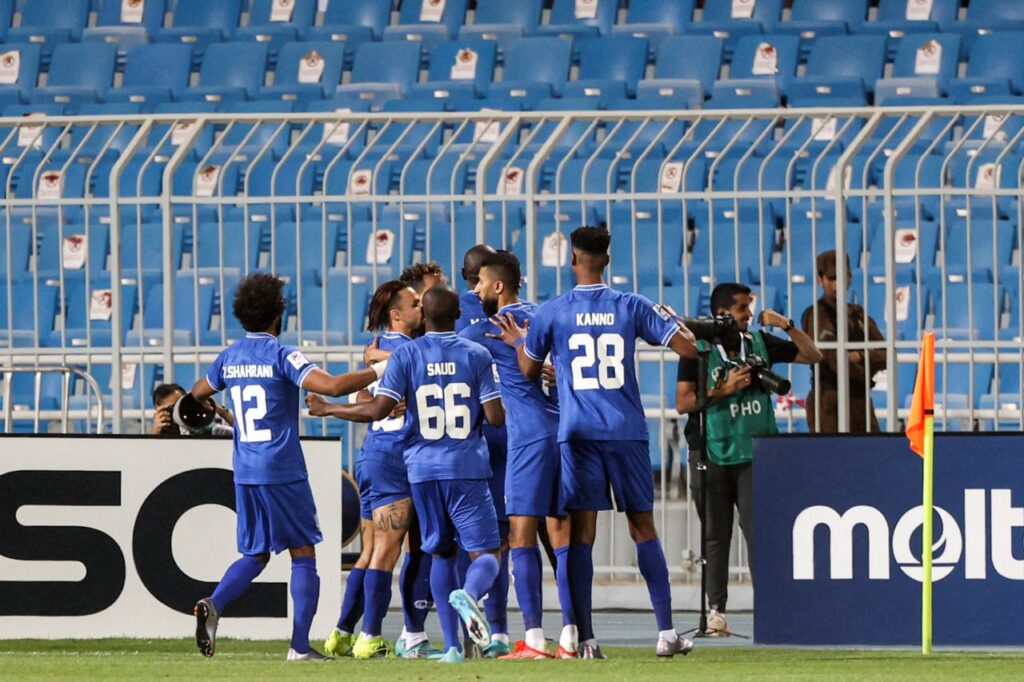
{"x":422,"y":276}
{"x":532,"y":478}
{"x":591,"y":334}
{"x":385,"y":507}
{"x":272,"y":494}
{"x":448,"y":385}
{"x":496,"y":604}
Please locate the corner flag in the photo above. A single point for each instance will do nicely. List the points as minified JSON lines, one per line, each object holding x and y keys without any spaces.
{"x":921,"y":432}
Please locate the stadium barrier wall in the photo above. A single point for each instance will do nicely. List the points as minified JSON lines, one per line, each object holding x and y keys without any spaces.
{"x":118,"y":537}
{"x":837,"y":541}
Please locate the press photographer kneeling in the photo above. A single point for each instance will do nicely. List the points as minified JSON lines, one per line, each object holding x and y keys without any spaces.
{"x":738,"y":406}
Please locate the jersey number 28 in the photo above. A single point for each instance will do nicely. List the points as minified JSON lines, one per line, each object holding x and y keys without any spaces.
{"x":447,"y":418}
{"x":607,"y":352}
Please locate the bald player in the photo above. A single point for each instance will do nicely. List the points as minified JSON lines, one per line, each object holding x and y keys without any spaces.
{"x":448,"y":385}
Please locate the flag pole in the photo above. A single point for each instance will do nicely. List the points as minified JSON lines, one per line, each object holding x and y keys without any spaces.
{"x":926,"y":533}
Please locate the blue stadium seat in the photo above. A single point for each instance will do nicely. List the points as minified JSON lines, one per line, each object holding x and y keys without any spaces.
{"x":307,"y":71}
{"x":428,"y":23}
{"x":253,"y":137}
{"x":230,"y":71}
{"x":914,"y":75}
{"x":730,"y":252}
{"x":79,"y":72}
{"x":656,"y":20}
{"x":622,"y":221}
{"x":274,"y":23}
{"x":6,"y":15}
{"x":335,"y":135}
{"x":143,"y":256}
{"x":240,"y":245}
{"x":341,"y":316}
{"x":909,"y":258}
{"x":462,"y":67}
{"x":317,"y":247}
{"x":27,"y":58}
{"x":503,"y":21}
{"x":764,"y":58}
{"x":995,"y":66}
{"x":84,"y":326}
{"x":18,"y":324}
{"x":985,"y":17}
{"x":47,"y":23}
{"x":744,"y":94}
{"x":609,"y":67}
{"x":898,"y":18}
{"x":807,"y":237}
{"x":990,"y":245}
{"x":983,"y":171}
{"x":688,"y":66}
{"x":578,"y":18}
{"x":841,"y":71}
{"x":384,"y":71}
{"x":153,"y":74}
{"x":352,"y":22}
{"x":126,"y":26}
{"x":731,"y":20}
{"x":535,"y":68}
{"x":812,"y":19}
{"x":910,"y":313}
{"x":198,"y":23}
{"x":966,"y":310}
{"x":57,"y":242}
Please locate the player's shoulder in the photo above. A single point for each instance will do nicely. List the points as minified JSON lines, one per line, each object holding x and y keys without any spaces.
{"x":473,"y":349}
{"x":477,"y":331}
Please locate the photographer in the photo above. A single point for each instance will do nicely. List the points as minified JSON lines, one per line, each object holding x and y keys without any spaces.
{"x":739,"y":406}
{"x":164,"y":397}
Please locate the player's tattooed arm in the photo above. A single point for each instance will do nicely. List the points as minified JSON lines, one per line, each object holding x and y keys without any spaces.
{"x":374,"y":410}
{"x":319,"y":381}
{"x":514,"y":335}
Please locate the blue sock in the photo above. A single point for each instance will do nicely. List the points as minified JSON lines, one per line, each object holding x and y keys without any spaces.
{"x":352,"y":604}
{"x":480,"y":576}
{"x":415,"y":585}
{"x":236,"y":579}
{"x":377,"y":587}
{"x":525,"y":566}
{"x":305,"y":589}
{"x":564,"y":585}
{"x":654,"y":569}
{"x":443,"y":580}
{"x":581,"y":568}
{"x":496,"y":605}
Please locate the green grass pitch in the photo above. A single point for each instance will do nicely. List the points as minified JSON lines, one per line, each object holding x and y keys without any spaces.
{"x":124,"y":659}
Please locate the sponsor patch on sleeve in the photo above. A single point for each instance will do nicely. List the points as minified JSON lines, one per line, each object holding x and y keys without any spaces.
{"x":297,"y":359}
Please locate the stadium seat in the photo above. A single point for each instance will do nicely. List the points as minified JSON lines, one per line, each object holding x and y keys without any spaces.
{"x":744,"y":94}
{"x":79,"y":72}
{"x":230,"y":71}
{"x":240,"y":246}
{"x":914,"y":249}
{"x":503,"y":21}
{"x":609,"y":67}
{"x":812,"y":19}
{"x":142,"y":248}
{"x":897,"y":18}
{"x":627,"y":220}
{"x":462,"y":67}
{"x":580,"y":18}
{"x":347,"y":294}
{"x":985,"y":17}
{"x":126,"y":24}
{"x":966,"y":310}
{"x":276,"y":22}
{"x":841,"y":71}
{"x":306,"y":71}
{"x":198,"y":23}
{"x":6,"y":15}
{"x":384,"y":70}
{"x":47,"y":23}
{"x":731,"y":20}
{"x":535,"y":68}
{"x":995,"y":66}
{"x":731,"y":251}
{"x":763,"y":59}
{"x":310,"y":249}
{"x":87,"y":321}
{"x":20,"y":66}
{"x":352,"y":22}
{"x":983,"y":172}
{"x":925,"y":64}
{"x":656,"y":20}
{"x":687,"y":66}
{"x":989,"y":244}
{"x":329,"y":138}
{"x":34,"y":305}
{"x":428,"y":23}
{"x":153,"y":74}
{"x":71,"y":250}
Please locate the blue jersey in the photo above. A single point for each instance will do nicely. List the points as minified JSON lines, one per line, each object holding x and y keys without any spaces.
{"x":532,"y":414}
{"x":445,"y":381}
{"x":472,"y":311}
{"x":388,"y":434}
{"x":262,"y":380}
{"x":591,"y":334}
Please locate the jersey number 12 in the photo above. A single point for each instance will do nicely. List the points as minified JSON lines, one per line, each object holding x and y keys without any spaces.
{"x":246,"y":417}
{"x":607,"y":352}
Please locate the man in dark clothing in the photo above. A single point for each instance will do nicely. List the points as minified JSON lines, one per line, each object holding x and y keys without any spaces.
{"x":823,"y":400}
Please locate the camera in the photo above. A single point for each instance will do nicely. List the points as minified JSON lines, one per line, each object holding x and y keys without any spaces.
{"x":720,"y":330}
{"x":764,"y":378}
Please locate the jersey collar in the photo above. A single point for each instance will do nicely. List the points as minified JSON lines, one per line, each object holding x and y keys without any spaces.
{"x":393,"y":335}
{"x":591,"y":287}
{"x":259,"y":335}
{"x":442,"y":335}
{"x":513,"y":306}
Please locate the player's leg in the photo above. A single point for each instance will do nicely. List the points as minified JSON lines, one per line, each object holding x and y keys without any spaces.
{"x":305,"y":590}
{"x":343,"y":637}
{"x":253,"y":536}
{"x":496,"y":603}
{"x":414,"y":582}
{"x":527,"y":569}
{"x":629,"y":467}
{"x":390,"y":524}
{"x":438,"y":537}
{"x":471,"y":510}
{"x":559,"y":533}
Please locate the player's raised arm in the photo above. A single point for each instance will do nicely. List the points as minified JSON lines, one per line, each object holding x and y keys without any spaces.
{"x":370,"y":411}
{"x":515,"y":336}
{"x":319,"y":381}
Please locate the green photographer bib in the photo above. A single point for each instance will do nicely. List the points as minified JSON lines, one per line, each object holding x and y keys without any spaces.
{"x":733,"y":422}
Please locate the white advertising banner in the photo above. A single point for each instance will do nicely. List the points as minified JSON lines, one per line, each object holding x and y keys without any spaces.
{"x":118,"y":537}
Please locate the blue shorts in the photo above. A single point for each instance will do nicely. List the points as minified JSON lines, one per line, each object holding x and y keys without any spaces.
{"x":274,"y":517}
{"x":496,"y":483}
{"x":456,"y":510}
{"x":593,"y":470}
{"x":534,"y":478}
{"x":382,"y":479}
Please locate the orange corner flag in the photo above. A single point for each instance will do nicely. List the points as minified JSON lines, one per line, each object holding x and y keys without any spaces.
{"x":923,"y":404}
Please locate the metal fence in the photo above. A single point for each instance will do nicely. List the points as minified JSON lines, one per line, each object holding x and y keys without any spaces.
{"x":124,"y":237}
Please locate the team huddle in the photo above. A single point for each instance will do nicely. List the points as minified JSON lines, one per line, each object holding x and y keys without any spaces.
{"x":497,"y":426}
